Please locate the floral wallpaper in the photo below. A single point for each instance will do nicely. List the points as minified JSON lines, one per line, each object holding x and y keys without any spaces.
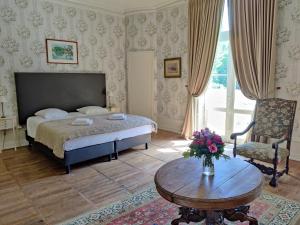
{"x":164,"y":32}
{"x":104,"y":39}
{"x":24,"y":26}
{"x":288,"y":60}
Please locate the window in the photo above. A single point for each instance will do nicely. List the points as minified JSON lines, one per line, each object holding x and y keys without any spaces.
{"x":223,"y":108}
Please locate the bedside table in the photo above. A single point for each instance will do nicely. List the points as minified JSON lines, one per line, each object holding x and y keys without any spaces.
{"x":7,"y":123}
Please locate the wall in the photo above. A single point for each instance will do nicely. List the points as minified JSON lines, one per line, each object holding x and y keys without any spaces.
{"x":288,"y":60}
{"x":165,"y":32}
{"x":24,"y":26}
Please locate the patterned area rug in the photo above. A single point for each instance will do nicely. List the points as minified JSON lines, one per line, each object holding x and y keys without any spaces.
{"x":148,"y":208}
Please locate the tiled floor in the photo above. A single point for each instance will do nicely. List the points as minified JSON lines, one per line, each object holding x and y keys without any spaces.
{"x":34,"y":189}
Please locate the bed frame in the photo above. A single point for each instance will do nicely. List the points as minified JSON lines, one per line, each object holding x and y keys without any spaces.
{"x":68,"y":91}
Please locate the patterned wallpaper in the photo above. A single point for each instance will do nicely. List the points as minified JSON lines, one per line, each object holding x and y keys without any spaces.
{"x":164,"y":32}
{"x":25,"y":24}
{"x":288,"y":60}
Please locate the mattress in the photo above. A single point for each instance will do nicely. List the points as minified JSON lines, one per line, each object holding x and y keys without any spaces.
{"x":34,"y":121}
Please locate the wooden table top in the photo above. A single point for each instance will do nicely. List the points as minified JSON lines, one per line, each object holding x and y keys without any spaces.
{"x":235,"y":183}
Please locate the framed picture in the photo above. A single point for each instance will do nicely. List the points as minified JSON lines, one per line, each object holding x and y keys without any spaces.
{"x":61,"y":51}
{"x":172,"y":67}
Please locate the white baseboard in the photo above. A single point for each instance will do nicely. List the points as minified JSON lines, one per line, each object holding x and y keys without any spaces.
{"x":168,"y":124}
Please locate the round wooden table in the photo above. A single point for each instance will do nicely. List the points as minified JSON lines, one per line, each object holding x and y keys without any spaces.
{"x":235,"y":184}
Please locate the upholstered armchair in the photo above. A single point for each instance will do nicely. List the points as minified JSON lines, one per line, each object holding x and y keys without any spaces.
{"x":274,"y":119}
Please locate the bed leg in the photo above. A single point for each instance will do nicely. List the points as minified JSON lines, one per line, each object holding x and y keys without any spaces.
{"x":68,"y":169}
{"x":146,"y":145}
{"x":116,"y":155}
{"x":29,"y":145}
{"x":109,"y":157}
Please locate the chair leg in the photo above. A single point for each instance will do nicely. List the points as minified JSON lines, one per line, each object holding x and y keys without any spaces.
{"x":234,"y":148}
{"x":287,"y":167}
{"x":273,"y":181}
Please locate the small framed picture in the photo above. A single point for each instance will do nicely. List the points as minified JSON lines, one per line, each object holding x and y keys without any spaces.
{"x":172,"y":67}
{"x":61,"y":51}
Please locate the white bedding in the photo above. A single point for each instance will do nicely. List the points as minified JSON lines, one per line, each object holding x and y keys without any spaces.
{"x":34,"y":121}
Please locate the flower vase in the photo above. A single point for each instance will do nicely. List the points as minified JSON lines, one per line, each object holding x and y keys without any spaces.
{"x":208,"y":166}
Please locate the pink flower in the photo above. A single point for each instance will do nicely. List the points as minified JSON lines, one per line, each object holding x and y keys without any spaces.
{"x":200,"y":142}
{"x":213,"y":148}
{"x":209,"y":142}
{"x":217,"y":139}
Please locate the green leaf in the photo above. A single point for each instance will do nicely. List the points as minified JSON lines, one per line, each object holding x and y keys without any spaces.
{"x":186,"y":154}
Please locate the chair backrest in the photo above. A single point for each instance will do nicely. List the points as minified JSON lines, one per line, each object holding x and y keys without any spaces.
{"x":274,"y":118}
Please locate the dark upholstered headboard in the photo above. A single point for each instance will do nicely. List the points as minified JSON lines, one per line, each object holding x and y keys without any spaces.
{"x":67,"y":91}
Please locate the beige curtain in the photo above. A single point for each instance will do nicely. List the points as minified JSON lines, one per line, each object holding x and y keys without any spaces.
{"x":204,"y":25}
{"x":252,"y":26}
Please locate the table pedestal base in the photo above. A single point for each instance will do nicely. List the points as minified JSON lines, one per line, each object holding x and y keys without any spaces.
{"x":214,"y":217}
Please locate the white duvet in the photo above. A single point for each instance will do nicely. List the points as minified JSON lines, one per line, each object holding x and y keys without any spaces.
{"x":34,"y":121}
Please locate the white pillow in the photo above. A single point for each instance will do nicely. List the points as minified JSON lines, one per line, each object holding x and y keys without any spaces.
{"x":52,"y":113}
{"x":93,"y":110}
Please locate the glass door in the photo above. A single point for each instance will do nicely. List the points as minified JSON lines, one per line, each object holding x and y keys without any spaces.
{"x":223,"y":108}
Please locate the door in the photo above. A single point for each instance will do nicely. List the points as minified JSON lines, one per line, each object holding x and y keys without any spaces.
{"x":140,"y":66}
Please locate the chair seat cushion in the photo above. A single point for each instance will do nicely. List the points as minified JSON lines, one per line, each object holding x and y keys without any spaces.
{"x":261,"y":151}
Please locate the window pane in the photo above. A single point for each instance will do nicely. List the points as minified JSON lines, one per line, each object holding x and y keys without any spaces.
{"x":216,"y":121}
{"x":215,"y":96}
{"x":223,"y":108}
{"x":241,"y":101}
{"x":241,"y":122}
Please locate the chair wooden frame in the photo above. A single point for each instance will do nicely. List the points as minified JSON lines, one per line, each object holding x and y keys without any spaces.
{"x":275,"y":145}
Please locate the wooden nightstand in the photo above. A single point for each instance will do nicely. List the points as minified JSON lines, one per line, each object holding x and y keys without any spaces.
{"x":8,"y":123}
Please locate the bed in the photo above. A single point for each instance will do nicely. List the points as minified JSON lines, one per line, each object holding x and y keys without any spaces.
{"x":69,"y":91}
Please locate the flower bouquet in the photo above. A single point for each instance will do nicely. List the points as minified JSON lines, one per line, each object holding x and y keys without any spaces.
{"x":208,"y":145}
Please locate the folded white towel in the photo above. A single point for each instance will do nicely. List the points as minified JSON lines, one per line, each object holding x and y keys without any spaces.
{"x":82,"y":122}
{"x":117,"y":116}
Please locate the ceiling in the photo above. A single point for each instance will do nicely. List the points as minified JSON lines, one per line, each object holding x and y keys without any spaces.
{"x":125,"y":6}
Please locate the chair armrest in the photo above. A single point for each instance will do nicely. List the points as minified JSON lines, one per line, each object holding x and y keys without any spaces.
{"x":276,"y":144}
{"x":234,"y":135}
